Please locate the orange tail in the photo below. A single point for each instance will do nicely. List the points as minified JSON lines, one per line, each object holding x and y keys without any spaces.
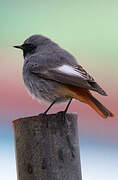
{"x":85,"y":96}
{"x":99,"y":108}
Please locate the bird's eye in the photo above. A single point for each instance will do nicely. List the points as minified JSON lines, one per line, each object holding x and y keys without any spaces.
{"x":29,"y":48}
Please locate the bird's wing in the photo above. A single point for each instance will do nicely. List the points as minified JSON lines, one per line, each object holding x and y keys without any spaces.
{"x":67,"y":74}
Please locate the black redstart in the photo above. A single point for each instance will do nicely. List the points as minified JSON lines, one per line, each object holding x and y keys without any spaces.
{"x":52,"y":74}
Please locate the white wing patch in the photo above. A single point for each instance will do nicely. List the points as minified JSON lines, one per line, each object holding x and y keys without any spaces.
{"x":66,"y":69}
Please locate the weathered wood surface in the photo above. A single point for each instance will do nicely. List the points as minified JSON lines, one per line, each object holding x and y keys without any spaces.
{"x":47,"y":148}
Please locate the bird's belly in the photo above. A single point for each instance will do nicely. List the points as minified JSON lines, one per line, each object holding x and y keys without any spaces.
{"x":43,"y":89}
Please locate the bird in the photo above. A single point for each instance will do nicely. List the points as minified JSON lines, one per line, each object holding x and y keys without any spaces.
{"x":53,"y":75}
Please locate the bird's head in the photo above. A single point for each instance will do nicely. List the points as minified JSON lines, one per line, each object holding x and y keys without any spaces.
{"x":33,"y":44}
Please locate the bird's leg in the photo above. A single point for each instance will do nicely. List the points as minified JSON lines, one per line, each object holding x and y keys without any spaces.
{"x":66,"y":109}
{"x":49,"y":107}
{"x":64,"y":112}
{"x":47,"y":111}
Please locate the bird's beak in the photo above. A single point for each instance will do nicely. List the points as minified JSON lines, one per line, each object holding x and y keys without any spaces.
{"x":19,"y":47}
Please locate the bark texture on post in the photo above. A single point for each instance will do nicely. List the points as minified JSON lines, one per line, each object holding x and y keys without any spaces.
{"x":47,"y":148}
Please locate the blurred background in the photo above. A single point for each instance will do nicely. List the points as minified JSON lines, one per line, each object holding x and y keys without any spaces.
{"x":88,"y":30}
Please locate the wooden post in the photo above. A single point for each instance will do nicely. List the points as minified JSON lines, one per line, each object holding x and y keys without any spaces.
{"x":47,"y":148}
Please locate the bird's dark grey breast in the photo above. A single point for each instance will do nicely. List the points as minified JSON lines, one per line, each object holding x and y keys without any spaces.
{"x":41,"y":88}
